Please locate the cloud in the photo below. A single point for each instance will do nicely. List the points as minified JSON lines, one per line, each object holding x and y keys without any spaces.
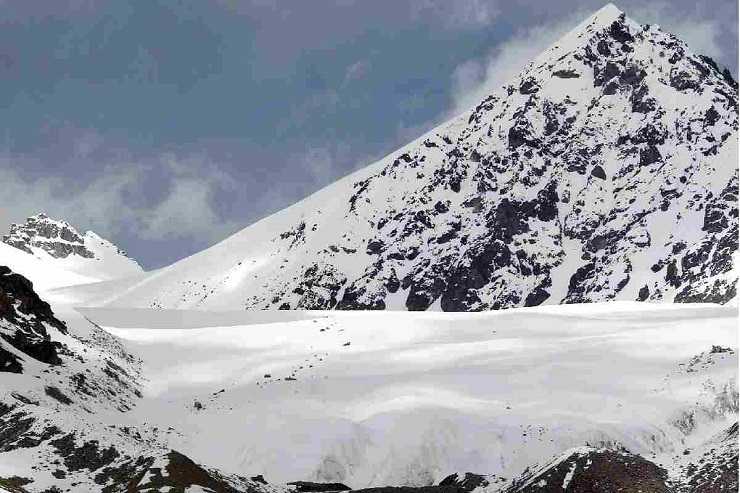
{"x":91,"y":204}
{"x":320,"y":164}
{"x":23,"y":11}
{"x":188,"y":207}
{"x":357,"y":70}
{"x":468,"y":82}
{"x":324,"y":102}
{"x":113,"y":202}
{"x":323,"y":164}
{"x":86,"y":144}
{"x":469,"y":14}
{"x":702,"y":35}
{"x":474,"y":79}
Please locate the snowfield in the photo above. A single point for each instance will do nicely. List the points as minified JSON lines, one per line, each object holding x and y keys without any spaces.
{"x":45,"y":275}
{"x":400,"y":398}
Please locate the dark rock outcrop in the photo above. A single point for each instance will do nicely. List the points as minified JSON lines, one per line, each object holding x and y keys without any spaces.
{"x":592,"y":470}
{"x":26,"y":318}
{"x":57,"y":238}
{"x":312,"y":487}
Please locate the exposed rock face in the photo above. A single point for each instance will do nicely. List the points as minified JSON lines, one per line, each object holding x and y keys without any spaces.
{"x":607,"y":169}
{"x":57,"y":238}
{"x":713,"y":467}
{"x":64,"y":247}
{"x":312,"y":487}
{"x":171,"y":472}
{"x":590,"y":470}
{"x":465,"y":483}
{"x":50,"y":413}
{"x":23,"y":321}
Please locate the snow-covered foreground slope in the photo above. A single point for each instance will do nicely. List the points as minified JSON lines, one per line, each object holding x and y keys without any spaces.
{"x":45,"y":276}
{"x":607,"y":169}
{"x":373,"y":399}
{"x":65,"y":385}
{"x":160,"y":399}
{"x":59,"y":245}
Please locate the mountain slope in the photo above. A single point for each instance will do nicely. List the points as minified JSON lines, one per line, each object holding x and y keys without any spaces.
{"x":60,"y":245}
{"x":587,"y":469}
{"x":46,"y":275}
{"x":137,"y":399}
{"x":607,"y":169}
{"x":711,"y":467}
{"x":386,"y":398}
{"x":65,"y":389}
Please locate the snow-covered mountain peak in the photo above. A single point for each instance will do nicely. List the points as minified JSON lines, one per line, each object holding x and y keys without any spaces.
{"x":57,"y":238}
{"x":605,"y":170}
{"x":602,"y":18}
{"x":609,"y":12}
{"x":599,"y":21}
{"x":61,"y":244}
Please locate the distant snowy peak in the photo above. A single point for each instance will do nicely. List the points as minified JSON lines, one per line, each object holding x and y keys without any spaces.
{"x":605,"y":170}
{"x":62,"y":244}
{"x":57,"y":238}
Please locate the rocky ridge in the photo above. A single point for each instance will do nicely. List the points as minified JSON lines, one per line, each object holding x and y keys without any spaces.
{"x":57,"y":238}
{"x":23,"y":321}
{"x":712,"y":467}
{"x":58,"y":384}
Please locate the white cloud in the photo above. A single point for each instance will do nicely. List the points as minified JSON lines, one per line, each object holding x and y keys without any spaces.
{"x":468,"y":81}
{"x":187,"y":208}
{"x":92,"y":205}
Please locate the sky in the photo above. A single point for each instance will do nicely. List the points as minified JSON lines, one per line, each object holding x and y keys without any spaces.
{"x":167,"y":125}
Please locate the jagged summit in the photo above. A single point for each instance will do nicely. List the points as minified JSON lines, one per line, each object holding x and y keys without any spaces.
{"x":603,"y":17}
{"x":600,"y":20}
{"x":59,"y":242}
{"x":605,"y":170}
{"x":57,"y":238}
{"x":609,"y":9}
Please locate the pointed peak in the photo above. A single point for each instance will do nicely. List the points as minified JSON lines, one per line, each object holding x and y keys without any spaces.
{"x":609,"y":17}
{"x":604,"y":17}
{"x":607,"y":14}
{"x":43,"y":217}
